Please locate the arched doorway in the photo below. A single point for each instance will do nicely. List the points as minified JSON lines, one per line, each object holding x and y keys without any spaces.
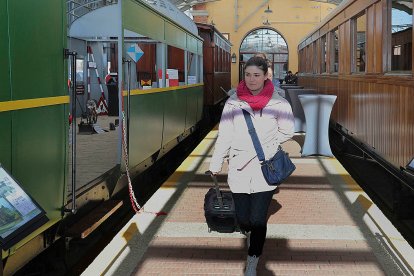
{"x":269,"y":42}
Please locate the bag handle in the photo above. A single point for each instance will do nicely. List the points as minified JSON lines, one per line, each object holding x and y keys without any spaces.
{"x":253,"y":135}
{"x":217,"y":188}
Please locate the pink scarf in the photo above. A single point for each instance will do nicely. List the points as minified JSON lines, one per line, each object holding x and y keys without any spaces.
{"x":260,"y":100}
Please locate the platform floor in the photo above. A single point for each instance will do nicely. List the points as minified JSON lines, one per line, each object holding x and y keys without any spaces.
{"x":320,"y":223}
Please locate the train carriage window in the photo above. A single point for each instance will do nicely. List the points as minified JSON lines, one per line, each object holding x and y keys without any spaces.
{"x":192,"y":72}
{"x":359,"y":43}
{"x":145,"y":69}
{"x":308,"y":59}
{"x":323,"y":54}
{"x":175,"y":67}
{"x":401,"y":35}
{"x":302,"y":60}
{"x":314,"y":58}
{"x":335,"y":51}
{"x":140,"y":72}
{"x":218,"y":63}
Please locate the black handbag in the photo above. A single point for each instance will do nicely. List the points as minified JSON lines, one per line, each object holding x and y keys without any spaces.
{"x":276,"y":169}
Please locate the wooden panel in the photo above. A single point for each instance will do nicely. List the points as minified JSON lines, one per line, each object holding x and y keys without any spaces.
{"x":324,"y":29}
{"x":345,"y":48}
{"x":208,"y":88}
{"x":342,"y":42}
{"x":375,"y":109}
{"x":221,"y":80}
{"x":370,"y":46}
{"x":329,"y":42}
{"x":337,"y":20}
{"x":356,"y":7}
{"x":208,"y":61}
{"x":380,"y":26}
{"x":94,"y":219}
{"x":351,"y":9}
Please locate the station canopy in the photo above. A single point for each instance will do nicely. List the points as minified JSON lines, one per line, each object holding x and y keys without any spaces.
{"x":184,"y":5}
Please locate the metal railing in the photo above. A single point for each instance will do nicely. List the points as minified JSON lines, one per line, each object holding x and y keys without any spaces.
{"x":78,"y":8}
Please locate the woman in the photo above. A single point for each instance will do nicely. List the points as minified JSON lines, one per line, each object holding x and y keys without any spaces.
{"x":274,"y":123}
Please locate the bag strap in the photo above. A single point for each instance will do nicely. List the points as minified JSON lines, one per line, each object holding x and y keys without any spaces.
{"x":253,"y":135}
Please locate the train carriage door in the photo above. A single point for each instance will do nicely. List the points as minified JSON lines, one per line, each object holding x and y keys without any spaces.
{"x":269,"y":42}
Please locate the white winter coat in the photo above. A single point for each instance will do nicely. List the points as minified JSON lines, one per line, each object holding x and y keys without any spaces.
{"x":274,"y":125}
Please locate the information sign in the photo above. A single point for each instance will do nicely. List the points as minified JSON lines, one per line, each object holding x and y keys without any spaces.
{"x":19,"y":213}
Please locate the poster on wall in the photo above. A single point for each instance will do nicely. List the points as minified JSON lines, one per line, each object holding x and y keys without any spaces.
{"x":191,"y":79}
{"x":172,"y":77}
{"x":19,"y":213}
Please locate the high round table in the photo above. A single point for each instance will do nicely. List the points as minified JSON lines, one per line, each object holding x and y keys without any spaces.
{"x":317,"y":109}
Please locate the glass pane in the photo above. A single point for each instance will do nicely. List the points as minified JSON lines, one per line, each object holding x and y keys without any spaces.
{"x":335,"y":44}
{"x":145,"y":66}
{"x":323,"y":54}
{"x":360,"y":43}
{"x":279,"y":71}
{"x":264,"y":40}
{"x":245,"y":57}
{"x":281,"y":57}
{"x":192,"y":76}
{"x":315,"y":58}
{"x":79,"y":70}
{"x":401,"y":40}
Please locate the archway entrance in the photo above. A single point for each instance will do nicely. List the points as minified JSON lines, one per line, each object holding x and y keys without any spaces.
{"x":269,"y":42}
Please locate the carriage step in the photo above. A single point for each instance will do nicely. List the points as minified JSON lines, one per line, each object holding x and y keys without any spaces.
{"x":91,"y":221}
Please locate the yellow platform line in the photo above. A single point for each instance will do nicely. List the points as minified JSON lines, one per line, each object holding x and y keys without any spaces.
{"x":362,"y":199}
{"x":197,"y":154}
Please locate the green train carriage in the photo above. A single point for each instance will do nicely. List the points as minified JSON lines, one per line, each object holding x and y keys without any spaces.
{"x":36,"y":103}
{"x":33,"y":109}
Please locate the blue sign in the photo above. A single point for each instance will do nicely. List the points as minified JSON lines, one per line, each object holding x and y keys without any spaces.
{"x":135,"y":52}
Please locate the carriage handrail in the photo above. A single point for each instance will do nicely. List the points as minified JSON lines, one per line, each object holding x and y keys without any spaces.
{"x":78,"y":8}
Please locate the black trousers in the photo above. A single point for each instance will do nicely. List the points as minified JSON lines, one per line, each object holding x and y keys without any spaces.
{"x":251,"y":213}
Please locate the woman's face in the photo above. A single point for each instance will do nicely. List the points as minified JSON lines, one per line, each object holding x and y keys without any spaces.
{"x":254,"y":78}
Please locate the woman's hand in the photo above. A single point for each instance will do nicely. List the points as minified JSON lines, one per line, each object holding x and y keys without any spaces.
{"x":211,"y":173}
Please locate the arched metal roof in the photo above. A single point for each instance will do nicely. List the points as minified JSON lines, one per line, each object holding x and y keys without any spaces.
{"x":103,"y":17}
{"x":184,"y":5}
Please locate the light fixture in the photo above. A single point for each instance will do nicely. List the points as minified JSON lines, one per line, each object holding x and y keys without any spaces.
{"x":268,"y":10}
{"x":233,"y":58}
{"x":267,"y":23}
